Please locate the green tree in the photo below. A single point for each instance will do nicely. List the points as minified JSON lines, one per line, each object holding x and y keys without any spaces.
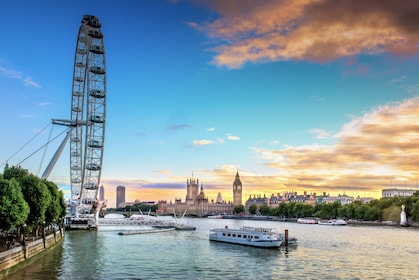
{"x":38,"y":197}
{"x":414,"y":212}
{"x":391,"y":213}
{"x":264,"y":209}
{"x":238,"y":209}
{"x":283,"y":209}
{"x":16,"y":172}
{"x":13,"y":208}
{"x":253,"y":208}
{"x":307,"y":210}
{"x":56,"y":210}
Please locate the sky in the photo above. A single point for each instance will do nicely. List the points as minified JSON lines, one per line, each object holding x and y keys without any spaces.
{"x":315,"y":96}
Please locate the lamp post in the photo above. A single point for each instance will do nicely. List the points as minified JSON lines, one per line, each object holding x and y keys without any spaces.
{"x":24,"y":234}
{"x":24,"y":241}
{"x":43,"y":232}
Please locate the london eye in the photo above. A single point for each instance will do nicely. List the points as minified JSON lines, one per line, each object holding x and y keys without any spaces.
{"x":87,"y":123}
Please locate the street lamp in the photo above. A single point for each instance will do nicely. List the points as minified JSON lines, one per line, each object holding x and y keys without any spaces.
{"x":43,"y":232}
{"x":24,"y":234}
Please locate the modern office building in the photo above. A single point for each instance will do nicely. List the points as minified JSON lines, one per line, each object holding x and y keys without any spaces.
{"x":101,"y":193}
{"x":120,"y":196}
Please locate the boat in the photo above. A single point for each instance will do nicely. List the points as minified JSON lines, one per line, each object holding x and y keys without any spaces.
{"x":145,"y":231}
{"x":307,"y":221}
{"x":184,"y":227}
{"x":250,"y":236}
{"x":215,"y":216}
{"x":333,"y":222}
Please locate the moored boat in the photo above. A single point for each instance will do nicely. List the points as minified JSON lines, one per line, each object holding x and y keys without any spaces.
{"x":250,"y":236}
{"x":334,"y":222}
{"x":307,"y":221}
{"x":219,"y":216}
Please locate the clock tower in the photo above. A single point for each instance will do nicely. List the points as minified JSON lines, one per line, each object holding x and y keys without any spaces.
{"x":237,"y":191}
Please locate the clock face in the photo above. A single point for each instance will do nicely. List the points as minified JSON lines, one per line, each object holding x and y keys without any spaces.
{"x":239,"y":187}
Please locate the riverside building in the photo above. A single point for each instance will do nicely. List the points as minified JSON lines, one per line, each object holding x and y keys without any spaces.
{"x":196,"y":203}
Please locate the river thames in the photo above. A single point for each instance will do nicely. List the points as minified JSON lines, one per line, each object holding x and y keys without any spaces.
{"x":323,"y":252}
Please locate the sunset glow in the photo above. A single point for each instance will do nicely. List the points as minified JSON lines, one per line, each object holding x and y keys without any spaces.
{"x":316,"y":96}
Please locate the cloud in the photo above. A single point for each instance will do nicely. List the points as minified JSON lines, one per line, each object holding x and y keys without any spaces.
{"x":211,"y":129}
{"x":202,"y":142}
{"x":320,"y":133}
{"x":27,"y":81}
{"x":30,"y":83}
{"x":233,"y":138}
{"x":178,"y":126}
{"x":164,"y":171}
{"x":274,"y":142}
{"x":317,"y":98}
{"x":44,"y":104}
{"x":320,"y":31}
{"x":372,"y":150}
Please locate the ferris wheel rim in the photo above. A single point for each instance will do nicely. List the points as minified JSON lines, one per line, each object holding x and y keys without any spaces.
{"x":88,"y":112}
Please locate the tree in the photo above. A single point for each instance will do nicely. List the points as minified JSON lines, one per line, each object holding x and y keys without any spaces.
{"x":13,"y":208}
{"x":38,"y":198}
{"x":56,"y":210}
{"x":16,"y":172}
{"x":238,"y":209}
{"x":264,"y":209}
{"x":414,"y":213}
{"x":391,"y":213}
{"x":253,"y":208}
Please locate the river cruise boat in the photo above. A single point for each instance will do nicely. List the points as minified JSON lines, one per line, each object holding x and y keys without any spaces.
{"x":250,"y":236}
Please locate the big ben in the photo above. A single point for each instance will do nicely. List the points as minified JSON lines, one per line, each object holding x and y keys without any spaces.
{"x":237,"y":191}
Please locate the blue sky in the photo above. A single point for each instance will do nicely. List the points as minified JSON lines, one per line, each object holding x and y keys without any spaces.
{"x":296,"y":95}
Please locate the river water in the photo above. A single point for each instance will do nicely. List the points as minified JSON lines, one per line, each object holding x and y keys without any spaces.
{"x":323,"y":252}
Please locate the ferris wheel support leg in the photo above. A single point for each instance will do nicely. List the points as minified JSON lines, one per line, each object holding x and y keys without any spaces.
{"x":57,"y":155}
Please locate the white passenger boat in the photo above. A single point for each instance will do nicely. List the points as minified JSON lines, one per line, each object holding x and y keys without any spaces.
{"x":334,"y":222}
{"x":251,"y":236}
{"x":307,"y":220}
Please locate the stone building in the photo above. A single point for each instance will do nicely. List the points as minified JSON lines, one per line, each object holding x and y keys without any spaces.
{"x":397,"y":192}
{"x":196,"y":203}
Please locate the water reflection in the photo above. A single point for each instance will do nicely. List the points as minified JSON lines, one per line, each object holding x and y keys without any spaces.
{"x":322,"y":253}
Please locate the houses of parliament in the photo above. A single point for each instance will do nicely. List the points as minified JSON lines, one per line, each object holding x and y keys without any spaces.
{"x":196,"y":203}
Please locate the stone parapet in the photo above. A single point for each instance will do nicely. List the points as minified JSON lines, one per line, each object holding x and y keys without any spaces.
{"x":19,"y":255}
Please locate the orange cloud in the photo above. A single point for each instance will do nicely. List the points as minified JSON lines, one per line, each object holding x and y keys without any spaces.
{"x":371,"y":151}
{"x":314,"y":30}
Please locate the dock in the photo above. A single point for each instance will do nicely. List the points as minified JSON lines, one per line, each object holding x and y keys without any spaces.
{"x":145,"y":231}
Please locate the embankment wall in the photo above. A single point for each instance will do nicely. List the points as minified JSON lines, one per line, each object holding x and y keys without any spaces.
{"x":22,"y":254}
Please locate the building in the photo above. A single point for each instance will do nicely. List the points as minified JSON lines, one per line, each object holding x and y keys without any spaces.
{"x":237,"y":191}
{"x":196,"y":203}
{"x":120,"y":196}
{"x":257,"y":200}
{"x":342,"y":199}
{"x":397,"y":192}
{"x":101,"y":193}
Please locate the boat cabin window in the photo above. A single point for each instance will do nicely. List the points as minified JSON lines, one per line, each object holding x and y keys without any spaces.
{"x":256,"y":237}
{"x":229,"y":234}
{"x":239,"y":235}
{"x":244,"y":236}
{"x":234,"y":235}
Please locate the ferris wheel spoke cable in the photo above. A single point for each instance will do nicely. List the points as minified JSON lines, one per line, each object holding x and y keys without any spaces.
{"x":27,"y":143}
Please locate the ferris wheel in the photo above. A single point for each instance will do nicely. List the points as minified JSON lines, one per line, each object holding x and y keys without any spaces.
{"x":88,"y":115}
